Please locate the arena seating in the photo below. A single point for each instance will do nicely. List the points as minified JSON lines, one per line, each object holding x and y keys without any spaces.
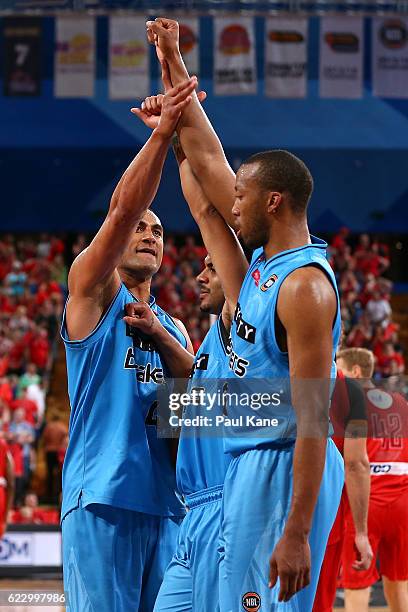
{"x":33,"y":287}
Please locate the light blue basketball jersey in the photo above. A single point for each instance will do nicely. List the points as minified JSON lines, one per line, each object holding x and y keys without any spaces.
{"x":255,"y":359}
{"x":201,"y":461}
{"x":114,"y":456}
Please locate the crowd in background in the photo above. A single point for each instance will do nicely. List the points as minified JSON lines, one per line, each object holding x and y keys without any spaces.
{"x":33,"y":288}
{"x":33,"y":284}
{"x":365,"y":290}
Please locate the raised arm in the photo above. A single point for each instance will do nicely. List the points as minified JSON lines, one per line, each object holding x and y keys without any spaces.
{"x":198,"y":138}
{"x":93,"y":278}
{"x":220,"y":241}
{"x":306,"y":309}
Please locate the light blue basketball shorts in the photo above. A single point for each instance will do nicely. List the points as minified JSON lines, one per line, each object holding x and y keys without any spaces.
{"x":191,"y":580}
{"x":114,"y":559}
{"x":256,"y":504}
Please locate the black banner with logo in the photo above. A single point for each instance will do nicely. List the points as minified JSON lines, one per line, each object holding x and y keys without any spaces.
{"x":22,"y":56}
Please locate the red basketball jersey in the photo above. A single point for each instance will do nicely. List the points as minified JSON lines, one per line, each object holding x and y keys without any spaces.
{"x":387,"y":443}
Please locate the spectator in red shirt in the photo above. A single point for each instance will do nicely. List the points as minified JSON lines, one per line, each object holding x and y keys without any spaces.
{"x":361,"y":334}
{"x":29,"y":513}
{"x":339,"y":241}
{"x":390,"y":363}
{"x":40,"y":349}
{"x":28,"y":406}
{"x":6,"y":392}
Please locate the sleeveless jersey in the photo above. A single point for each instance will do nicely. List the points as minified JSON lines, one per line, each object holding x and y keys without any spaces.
{"x":201,"y":461}
{"x":387,"y":444}
{"x":114,"y":456}
{"x":260,"y":368}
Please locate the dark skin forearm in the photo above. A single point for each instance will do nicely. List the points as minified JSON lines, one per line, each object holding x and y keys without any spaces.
{"x":308,"y":465}
{"x":203,"y":148}
{"x":198,"y":138}
{"x":306,"y":309}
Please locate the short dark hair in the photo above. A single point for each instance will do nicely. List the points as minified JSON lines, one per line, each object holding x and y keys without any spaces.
{"x":282,"y":171}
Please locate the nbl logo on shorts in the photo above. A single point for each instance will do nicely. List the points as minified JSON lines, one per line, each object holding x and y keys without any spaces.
{"x":251,"y":602}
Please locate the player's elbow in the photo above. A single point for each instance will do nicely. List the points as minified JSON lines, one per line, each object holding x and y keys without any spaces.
{"x":356,"y":465}
{"x":205,"y":212}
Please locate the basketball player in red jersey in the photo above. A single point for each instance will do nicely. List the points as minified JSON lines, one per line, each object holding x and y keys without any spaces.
{"x":349,"y":419}
{"x":6,"y":484}
{"x":387,"y":448}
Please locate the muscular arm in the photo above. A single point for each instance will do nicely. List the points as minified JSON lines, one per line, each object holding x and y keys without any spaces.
{"x":306,"y":309}
{"x":357,"y":466}
{"x":357,"y":473}
{"x":93,"y":279}
{"x":220,"y":241}
{"x":198,"y":138}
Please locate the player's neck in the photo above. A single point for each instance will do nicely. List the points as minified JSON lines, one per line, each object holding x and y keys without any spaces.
{"x":140,"y":289}
{"x":286,"y":235}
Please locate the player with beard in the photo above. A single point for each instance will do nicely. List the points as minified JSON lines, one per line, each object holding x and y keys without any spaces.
{"x":191,"y":580}
{"x":284,"y":482}
{"x":120,"y":513}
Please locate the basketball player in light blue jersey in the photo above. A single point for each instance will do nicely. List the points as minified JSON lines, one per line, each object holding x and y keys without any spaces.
{"x":191,"y":580}
{"x":120,"y":512}
{"x":283,"y":485}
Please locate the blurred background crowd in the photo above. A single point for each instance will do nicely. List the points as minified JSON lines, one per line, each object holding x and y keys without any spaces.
{"x":33,"y":287}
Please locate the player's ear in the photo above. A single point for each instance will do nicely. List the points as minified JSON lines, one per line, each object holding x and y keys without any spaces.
{"x":356,"y":371}
{"x":274,"y":202}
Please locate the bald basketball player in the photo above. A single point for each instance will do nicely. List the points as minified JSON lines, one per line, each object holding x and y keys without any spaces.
{"x":120,"y":512}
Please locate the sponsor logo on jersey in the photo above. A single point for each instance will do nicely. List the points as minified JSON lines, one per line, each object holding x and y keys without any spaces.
{"x":145,"y":373}
{"x":236,"y":363}
{"x":380,"y":469}
{"x":245,"y":330}
{"x":256,"y":275}
{"x":140,"y":341}
{"x":201,"y":363}
{"x":251,"y":602}
{"x":268,"y":283}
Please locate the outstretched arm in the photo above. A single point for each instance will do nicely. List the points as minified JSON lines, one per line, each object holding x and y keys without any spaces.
{"x":306,"y":308}
{"x":197,"y":136}
{"x":93,"y":279}
{"x":220,"y":241}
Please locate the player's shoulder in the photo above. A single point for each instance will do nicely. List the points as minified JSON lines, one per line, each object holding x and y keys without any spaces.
{"x":309,"y":283}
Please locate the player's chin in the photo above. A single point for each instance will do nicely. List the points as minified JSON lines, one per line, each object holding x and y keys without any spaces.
{"x":146,"y":269}
{"x":205,"y":305}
